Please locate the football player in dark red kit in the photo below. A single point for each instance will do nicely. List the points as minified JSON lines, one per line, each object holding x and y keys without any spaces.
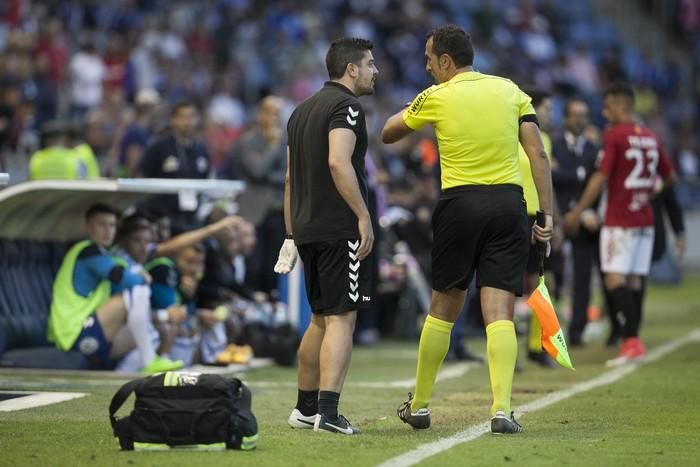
{"x":631,"y":160}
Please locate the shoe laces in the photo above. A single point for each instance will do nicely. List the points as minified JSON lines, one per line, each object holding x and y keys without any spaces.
{"x":512,"y":419}
{"x":404,"y":410}
{"x":343,"y":420}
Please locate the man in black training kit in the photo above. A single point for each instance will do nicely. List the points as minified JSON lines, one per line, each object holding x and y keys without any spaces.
{"x":326,"y":217}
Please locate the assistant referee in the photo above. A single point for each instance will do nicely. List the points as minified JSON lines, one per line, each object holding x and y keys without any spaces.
{"x":480,"y":222}
{"x":326,"y":217}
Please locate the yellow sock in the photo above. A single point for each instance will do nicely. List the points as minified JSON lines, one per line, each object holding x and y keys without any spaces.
{"x":433,"y":346}
{"x":502,"y":350}
{"x":534,"y":342}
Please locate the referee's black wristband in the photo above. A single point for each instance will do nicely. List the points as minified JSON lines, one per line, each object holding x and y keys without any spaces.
{"x":289,"y":236}
{"x":529,"y":118}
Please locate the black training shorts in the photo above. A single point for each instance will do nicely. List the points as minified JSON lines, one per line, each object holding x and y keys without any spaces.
{"x":336,"y":281}
{"x":483,"y":229}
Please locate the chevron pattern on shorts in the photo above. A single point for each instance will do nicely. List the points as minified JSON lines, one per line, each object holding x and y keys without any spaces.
{"x":354,"y":264}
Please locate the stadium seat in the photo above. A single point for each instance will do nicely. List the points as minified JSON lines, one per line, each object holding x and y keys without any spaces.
{"x":27,"y":269}
{"x":44,"y":357}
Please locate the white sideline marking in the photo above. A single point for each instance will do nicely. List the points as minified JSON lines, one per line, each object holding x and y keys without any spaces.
{"x":37,"y":400}
{"x":424,"y":451}
{"x":451,"y":372}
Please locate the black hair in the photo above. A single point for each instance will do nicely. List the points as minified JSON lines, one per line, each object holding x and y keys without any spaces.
{"x":619,"y":89}
{"x":343,"y":51}
{"x":453,"y":41}
{"x":133,"y":223}
{"x":100,"y":208}
{"x":152,"y":213}
{"x":88,"y":45}
{"x":570,"y":102}
{"x":177,"y":106}
{"x":52,"y":130}
{"x":537,"y":95}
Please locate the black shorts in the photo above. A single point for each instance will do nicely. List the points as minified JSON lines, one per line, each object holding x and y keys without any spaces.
{"x":92,"y":343}
{"x":482,"y":229}
{"x":336,"y":282}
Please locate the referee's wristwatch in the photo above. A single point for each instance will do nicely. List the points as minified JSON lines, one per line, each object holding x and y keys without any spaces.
{"x":289,"y":236}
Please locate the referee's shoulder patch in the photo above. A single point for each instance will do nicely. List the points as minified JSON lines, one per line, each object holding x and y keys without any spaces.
{"x":420,"y":99}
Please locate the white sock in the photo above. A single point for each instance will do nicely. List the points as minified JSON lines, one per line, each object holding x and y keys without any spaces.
{"x":214,"y":341}
{"x":183,"y":349}
{"x":138,"y":305}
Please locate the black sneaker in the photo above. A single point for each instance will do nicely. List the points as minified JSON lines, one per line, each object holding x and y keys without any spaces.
{"x":339,"y":425}
{"x":419,"y":420}
{"x":500,"y":424}
{"x":541,"y":358}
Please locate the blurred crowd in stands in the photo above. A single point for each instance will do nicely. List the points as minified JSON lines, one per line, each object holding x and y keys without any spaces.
{"x":200,"y":89}
{"x":105,"y":66}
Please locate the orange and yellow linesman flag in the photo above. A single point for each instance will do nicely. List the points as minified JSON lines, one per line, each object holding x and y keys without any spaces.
{"x":552,"y":336}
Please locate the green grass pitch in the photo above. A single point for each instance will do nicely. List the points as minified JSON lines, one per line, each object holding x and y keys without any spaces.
{"x":650,"y":417}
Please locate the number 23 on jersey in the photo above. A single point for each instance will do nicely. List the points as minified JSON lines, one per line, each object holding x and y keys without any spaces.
{"x":644,"y":152}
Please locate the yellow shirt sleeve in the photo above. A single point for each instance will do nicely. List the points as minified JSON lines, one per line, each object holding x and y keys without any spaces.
{"x":422,"y":110}
{"x":33,"y":165}
{"x":547,"y":142}
{"x":524,"y":105}
{"x":529,"y":188}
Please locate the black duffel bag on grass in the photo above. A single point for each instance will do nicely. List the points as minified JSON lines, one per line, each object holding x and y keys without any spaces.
{"x":180,"y":410}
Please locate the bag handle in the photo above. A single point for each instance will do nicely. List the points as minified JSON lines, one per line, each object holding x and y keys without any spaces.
{"x":120,"y":397}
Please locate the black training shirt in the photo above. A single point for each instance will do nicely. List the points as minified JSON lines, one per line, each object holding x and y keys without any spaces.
{"x":319,"y":213}
{"x":166,"y":158}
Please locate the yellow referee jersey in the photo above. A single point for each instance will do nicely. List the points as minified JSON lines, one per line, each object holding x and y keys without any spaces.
{"x":529,"y":188}
{"x":476,"y":119}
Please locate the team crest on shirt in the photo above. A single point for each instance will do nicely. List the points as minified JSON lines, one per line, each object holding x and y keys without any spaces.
{"x":88,"y":345}
{"x":352,"y":116}
{"x":171,"y":164}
